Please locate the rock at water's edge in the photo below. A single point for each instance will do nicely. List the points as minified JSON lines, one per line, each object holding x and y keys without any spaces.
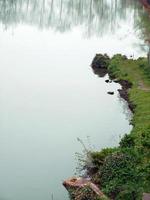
{"x":76,"y":186}
{"x":146,"y":196}
{"x":100,"y":61}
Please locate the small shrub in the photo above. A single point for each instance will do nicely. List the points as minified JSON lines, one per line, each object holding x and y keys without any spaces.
{"x":145,"y":139}
{"x":127,"y":141}
{"x":101,"y":61}
{"x":98,"y":158}
{"x":118,"y":173}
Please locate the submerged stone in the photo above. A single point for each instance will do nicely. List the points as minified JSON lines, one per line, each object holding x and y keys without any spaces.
{"x":111,"y":93}
{"x":107,"y":81}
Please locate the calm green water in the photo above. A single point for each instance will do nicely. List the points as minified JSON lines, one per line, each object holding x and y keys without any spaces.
{"x":49,"y":95}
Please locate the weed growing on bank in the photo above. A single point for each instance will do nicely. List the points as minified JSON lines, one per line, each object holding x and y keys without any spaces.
{"x":124,"y":172}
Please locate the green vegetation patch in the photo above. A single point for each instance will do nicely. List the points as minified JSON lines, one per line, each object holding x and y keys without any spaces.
{"x":124,"y":172}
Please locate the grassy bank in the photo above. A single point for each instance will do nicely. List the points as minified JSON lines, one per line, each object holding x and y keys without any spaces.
{"x":123,"y":173}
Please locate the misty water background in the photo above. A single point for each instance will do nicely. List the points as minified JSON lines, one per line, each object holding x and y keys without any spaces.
{"x":49,"y":94}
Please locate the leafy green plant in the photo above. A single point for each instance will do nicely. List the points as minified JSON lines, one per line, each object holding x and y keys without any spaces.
{"x":123,"y":173}
{"x":119,"y":175}
{"x":127,"y":141}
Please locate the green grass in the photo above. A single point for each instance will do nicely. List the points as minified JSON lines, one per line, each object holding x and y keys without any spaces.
{"x":124,"y":172}
{"x":136,"y":72}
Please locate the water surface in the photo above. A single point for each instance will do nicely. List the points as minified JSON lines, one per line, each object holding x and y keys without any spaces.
{"x":49,"y":94}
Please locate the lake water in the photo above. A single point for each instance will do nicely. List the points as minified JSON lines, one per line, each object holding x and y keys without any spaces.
{"x":49,"y":94}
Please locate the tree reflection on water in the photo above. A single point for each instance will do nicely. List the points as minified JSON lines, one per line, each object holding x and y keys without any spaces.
{"x":97,"y":16}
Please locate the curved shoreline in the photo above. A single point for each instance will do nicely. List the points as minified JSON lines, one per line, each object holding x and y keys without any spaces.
{"x":101,"y":69}
{"x":126,"y":166}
